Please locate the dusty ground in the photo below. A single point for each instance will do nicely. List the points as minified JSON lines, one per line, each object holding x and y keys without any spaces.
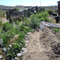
{"x":42,"y":46}
{"x":49,"y":17}
{"x":4,"y":20}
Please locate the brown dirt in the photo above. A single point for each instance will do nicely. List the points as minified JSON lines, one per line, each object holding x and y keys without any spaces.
{"x":49,"y":17}
{"x":4,"y":20}
{"x":42,"y":46}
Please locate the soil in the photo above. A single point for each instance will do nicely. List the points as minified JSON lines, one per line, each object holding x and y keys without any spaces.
{"x":4,"y":20}
{"x":43,"y":45}
{"x":51,"y":18}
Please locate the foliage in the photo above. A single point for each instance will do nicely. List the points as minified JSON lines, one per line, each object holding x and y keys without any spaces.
{"x":56,"y":29}
{"x":16,"y":48}
{"x":41,"y":19}
{"x":6,"y":27}
{"x":6,"y":37}
{"x":17,"y":22}
{"x":34,"y":22}
{"x":2,"y":14}
{"x":46,"y":13}
{"x":28,"y":14}
{"x":50,"y":12}
{"x":43,"y":9}
{"x":0,"y":23}
{"x":17,"y":8}
{"x":21,"y":35}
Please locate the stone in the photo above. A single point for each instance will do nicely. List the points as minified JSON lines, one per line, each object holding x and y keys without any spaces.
{"x":1,"y":56}
{"x":43,"y":25}
{"x":25,"y":45}
{"x":16,"y":58}
{"x":19,"y":54}
{"x":26,"y":42}
{"x":1,"y":40}
{"x":28,"y":33}
{"x":24,"y":50}
{"x":26,"y":36}
{"x":4,"y":49}
{"x":10,"y":45}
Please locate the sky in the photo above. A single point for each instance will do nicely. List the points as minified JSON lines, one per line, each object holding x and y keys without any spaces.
{"x":29,"y":2}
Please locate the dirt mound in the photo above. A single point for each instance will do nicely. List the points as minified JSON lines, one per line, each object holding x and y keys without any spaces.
{"x":42,"y":46}
{"x":48,"y":39}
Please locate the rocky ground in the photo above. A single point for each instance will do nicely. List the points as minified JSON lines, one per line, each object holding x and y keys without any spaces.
{"x":42,"y":45}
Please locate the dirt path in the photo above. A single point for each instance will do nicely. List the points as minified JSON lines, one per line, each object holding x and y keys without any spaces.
{"x":40,"y":46}
{"x":35,"y":48}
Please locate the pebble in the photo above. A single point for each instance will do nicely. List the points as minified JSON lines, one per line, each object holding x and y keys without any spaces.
{"x":19,"y":54}
{"x":28,"y":33}
{"x":26,"y":42}
{"x":26,"y":36}
{"x":4,"y":49}
{"x":24,"y":50}
{"x":25,"y":45}
{"x":1,"y":56}
{"x":10,"y":45}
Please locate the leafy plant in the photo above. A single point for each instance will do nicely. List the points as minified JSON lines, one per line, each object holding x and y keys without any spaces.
{"x":2,"y":14}
{"x":50,"y":12}
{"x":6,"y":37}
{"x":12,"y":52}
{"x":6,"y":27}
{"x":56,"y":29}
{"x":34,"y":22}
{"x":0,"y":23}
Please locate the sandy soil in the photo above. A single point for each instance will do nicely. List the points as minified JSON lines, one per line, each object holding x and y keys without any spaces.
{"x":49,"y":17}
{"x":4,"y":20}
{"x":42,"y":46}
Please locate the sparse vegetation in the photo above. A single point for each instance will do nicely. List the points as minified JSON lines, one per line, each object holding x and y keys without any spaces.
{"x":2,"y":14}
{"x":56,"y":29}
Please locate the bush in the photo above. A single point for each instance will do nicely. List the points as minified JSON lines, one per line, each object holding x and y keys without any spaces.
{"x":50,"y":12}
{"x":46,"y":13}
{"x":6,"y":27}
{"x":21,"y":35}
{"x":6,"y":37}
{"x":2,"y":14}
{"x":0,"y":23}
{"x":34,"y":22}
{"x":56,"y":29}
{"x":12,"y":52}
{"x":41,"y":19}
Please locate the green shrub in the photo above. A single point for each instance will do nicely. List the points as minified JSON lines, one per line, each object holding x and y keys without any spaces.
{"x":50,"y":12}
{"x":21,"y":35}
{"x":56,"y":29}
{"x":2,"y":14}
{"x":46,"y":13}
{"x":6,"y":37}
{"x":16,"y":48}
{"x":0,"y":23}
{"x":41,"y":19}
{"x":34,"y":22}
{"x":6,"y":27}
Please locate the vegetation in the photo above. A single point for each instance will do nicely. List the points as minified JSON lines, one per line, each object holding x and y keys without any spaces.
{"x":50,"y":12}
{"x":21,"y":28}
{"x":56,"y":29}
{"x":16,"y":48}
{"x":6,"y":27}
{"x":2,"y":14}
